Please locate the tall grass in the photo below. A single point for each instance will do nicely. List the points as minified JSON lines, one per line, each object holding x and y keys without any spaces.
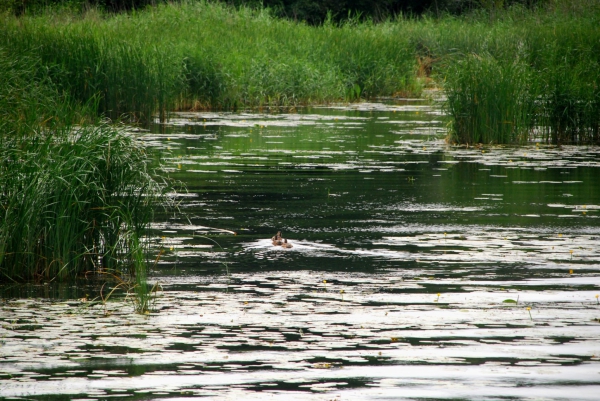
{"x":129,"y":79}
{"x":491,"y":102}
{"x":554,"y":57}
{"x":196,"y":54}
{"x":74,"y":199}
{"x":567,"y":59}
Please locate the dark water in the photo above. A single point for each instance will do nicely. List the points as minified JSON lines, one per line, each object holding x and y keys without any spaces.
{"x":419,"y":270}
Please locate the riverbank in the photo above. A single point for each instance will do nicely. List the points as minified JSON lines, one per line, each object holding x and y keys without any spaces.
{"x":508,"y":75}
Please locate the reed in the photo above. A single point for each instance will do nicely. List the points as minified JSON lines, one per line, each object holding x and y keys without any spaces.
{"x":76,"y":202}
{"x":198,"y":54}
{"x":491,"y":102}
{"x":75,"y":199}
{"x":568,"y":61}
{"x":554,"y":56}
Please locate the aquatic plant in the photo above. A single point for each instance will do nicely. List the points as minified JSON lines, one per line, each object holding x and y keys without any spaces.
{"x":490,"y":101}
{"x":136,"y":290}
{"x":508,"y":77}
{"x":566,"y":57}
{"x":130,"y":80}
{"x":554,"y":56}
{"x":75,"y":199}
{"x":136,"y":67}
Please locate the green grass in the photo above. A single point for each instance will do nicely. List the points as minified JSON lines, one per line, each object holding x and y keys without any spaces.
{"x":203,"y":55}
{"x":76,"y":196}
{"x":74,"y":202}
{"x":130,"y":80}
{"x":553,"y":55}
{"x":195,"y":54}
{"x":490,"y":102}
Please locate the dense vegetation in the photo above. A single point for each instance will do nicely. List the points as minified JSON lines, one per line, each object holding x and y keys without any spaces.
{"x":509,"y":74}
{"x":207,"y":55}
{"x":75,"y":193}
{"x":522,"y":76}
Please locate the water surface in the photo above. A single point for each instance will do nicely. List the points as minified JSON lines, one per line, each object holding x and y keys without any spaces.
{"x":419,"y":270}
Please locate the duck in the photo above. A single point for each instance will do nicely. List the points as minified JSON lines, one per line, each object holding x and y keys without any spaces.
{"x":286,"y":244}
{"x":276,"y":239}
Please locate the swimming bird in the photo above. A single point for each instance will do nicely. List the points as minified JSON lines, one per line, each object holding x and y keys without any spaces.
{"x":277,"y":240}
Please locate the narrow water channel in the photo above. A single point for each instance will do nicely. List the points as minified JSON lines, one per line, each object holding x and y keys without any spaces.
{"x":418,"y":270}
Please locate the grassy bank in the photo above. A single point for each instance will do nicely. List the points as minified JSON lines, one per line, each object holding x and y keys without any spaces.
{"x":508,"y":73}
{"x":75,"y":193}
{"x":519,"y":76}
{"x":210,"y":56}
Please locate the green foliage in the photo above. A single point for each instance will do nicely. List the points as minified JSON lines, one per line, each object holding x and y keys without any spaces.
{"x":510,"y":72}
{"x":543,"y":67}
{"x":490,"y":101}
{"x":566,"y":57}
{"x":199,"y":54}
{"x":75,"y":202}
{"x":127,"y":77}
{"x":73,"y":199}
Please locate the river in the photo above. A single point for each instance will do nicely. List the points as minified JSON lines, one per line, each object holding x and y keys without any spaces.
{"x":418,"y":269}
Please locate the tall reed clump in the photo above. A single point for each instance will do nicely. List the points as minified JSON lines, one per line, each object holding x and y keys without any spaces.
{"x":74,"y":199}
{"x":570,"y":106}
{"x":567,"y":58}
{"x":198,"y":54}
{"x":490,"y":101}
{"x":555,"y":57}
{"x":85,"y":57}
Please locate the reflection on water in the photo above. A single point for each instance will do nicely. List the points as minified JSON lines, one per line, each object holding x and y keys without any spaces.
{"x":419,"y":270}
